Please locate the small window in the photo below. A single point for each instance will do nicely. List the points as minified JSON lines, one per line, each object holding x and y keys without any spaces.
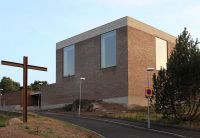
{"x":68,"y":60}
{"x":161,"y":53}
{"x":108,"y":49}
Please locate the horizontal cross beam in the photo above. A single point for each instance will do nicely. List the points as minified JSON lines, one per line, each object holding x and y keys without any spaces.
{"x":8,"y":63}
{"x":25,"y":67}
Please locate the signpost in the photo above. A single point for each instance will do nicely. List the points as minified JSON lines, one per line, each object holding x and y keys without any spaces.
{"x":25,"y":67}
{"x":148,"y":94}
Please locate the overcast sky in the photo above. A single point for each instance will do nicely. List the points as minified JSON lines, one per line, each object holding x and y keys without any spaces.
{"x":32,"y":27}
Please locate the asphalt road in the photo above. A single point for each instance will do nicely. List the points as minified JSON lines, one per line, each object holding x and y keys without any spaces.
{"x":108,"y":130}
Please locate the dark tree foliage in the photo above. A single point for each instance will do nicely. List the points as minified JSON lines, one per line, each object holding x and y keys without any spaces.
{"x":8,"y":85}
{"x":36,"y":86}
{"x":177,"y":89}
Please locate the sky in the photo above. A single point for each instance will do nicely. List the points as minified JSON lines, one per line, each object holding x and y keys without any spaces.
{"x":33,"y":27}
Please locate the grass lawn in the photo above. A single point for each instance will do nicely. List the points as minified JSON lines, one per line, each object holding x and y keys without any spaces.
{"x":51,"y":128}
{"x":137,"y":116}
{"x":41,"y":127}
{"x":2,"y":121}
{"x":5,"y":116}
{"x":136,"y":113}
{"x":141,"y":116}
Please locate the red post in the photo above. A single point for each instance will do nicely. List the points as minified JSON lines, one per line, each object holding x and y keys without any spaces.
{"x":25,"y":80}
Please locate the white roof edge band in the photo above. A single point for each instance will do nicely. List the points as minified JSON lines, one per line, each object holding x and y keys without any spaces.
{"x":125,"y":21}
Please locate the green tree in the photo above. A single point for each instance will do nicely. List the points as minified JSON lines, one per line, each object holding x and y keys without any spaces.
{"x":36,"y":85}
{"x":8,"y":85}
{"x":177,"y":89}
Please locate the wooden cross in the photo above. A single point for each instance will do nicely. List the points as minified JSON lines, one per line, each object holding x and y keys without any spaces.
{"x":25,"y":67}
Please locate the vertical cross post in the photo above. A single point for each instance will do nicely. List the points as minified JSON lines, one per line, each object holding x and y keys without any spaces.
{"x":25,"y":67}
{"x":25,"y":74}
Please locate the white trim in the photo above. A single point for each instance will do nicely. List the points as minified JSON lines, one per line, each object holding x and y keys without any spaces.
{"x":104,"y":47}
{"x":125,"y":21}
{"x":66,"y":71}
{"x":92,"y":33}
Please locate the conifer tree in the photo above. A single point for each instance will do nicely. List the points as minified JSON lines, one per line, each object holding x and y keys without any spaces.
{"x":177,"y":89}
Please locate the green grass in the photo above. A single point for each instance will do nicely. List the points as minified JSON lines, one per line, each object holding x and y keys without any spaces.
{"x":2,"y":121}
{"x":142,"y":117}
{"x":5,"y":116}
{"x":155,"y":118}
{"x":137,"y":116}
{"x":10,"y":114}
{"x":50,"y":128}
{"x":46,"y":127}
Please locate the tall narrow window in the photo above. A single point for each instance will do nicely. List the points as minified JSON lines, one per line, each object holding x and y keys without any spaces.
{"x":161,"y":53}
{"x":108,"y":49}
{"x":68,"y":60}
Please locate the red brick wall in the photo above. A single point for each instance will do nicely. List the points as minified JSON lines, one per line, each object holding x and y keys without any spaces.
{"x":11,"y":98}
{"x":15,"y":98}
{"x":99,"y":83}
{"x":141,"y":54}
{"x":135,"y":52}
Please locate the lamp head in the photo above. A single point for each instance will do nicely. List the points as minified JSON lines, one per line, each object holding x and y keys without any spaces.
{"x":150,"y":69}
{"x":82,"y":78}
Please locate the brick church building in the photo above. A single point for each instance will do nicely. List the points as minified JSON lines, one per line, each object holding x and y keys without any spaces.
{"x":113,"y":58}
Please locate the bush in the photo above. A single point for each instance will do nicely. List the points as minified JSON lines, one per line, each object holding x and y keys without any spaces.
{"x":68,"y":107}
{"x":85,"y":105}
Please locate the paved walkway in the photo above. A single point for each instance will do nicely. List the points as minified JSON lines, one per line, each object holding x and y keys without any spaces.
{"x":175,"y":130}
{"x":109,"y":129}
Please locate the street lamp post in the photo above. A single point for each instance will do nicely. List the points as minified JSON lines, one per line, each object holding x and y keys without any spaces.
{"x":79,"y":108}
{"x":1,"y":96}
{"x":148,"y":112}
{"x":39,"y":96}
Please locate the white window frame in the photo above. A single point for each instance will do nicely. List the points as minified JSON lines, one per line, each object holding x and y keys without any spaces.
{"x":161,"y":53}
{"x":65,"y":60}
{"x":103,"y":56}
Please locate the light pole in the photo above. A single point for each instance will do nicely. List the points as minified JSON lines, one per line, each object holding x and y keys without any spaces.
{"x":39,"y":96}
{"x":1,"y":96}
{"x":148,"y":112}
{"x":79,"y":108}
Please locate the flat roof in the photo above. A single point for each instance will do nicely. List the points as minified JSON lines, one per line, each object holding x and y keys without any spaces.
{"x":125,"y":21}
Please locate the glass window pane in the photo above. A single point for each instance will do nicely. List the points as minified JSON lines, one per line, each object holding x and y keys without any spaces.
{"x":69,"y":60}
{"x":161,"y":53}
{"x":108,"y":49}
